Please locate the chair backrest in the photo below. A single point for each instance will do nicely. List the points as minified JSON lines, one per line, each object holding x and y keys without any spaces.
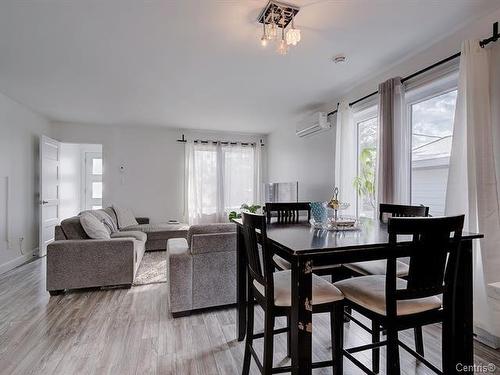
{"x":255,"y":233}
{"x":387,"y":210}
{"x":287,"y":213}
{"x":435,"y":244}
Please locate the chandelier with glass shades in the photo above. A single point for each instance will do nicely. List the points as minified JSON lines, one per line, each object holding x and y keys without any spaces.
{"x":275,"y":18}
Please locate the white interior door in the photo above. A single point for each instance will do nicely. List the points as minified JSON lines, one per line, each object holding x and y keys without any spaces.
{"x":49,"y":191}
{"x":93,"y":180}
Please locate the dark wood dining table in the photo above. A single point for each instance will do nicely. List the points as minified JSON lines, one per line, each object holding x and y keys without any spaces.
{"x":304,"y":246}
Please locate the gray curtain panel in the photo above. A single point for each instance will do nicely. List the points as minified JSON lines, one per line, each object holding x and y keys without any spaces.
{"x":393,"y":144}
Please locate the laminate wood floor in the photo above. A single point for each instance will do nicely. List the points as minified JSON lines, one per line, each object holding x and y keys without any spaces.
{"x":129,"y":331}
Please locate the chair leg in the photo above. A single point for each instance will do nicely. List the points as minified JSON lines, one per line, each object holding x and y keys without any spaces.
{"x":419,"y":340}
{"x":268,"y":343}
{"x":249,"y":337}
{"x":288,"y":336}
{"x":375,"y":351}
{"x":393,"y":367}
{"x":348,"y":310}
{"x":337,"y":332}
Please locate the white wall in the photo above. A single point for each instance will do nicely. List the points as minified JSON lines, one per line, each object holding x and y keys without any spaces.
{"x":311,"y":160}
{"x":20,"y":129}
{"x":152,"y":183}
{"x":70,"y":183}
{"x":72,"y":177}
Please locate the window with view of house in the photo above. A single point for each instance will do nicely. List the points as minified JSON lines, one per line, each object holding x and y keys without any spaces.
{"x":364,"y":183}
{"x":431,"y":121}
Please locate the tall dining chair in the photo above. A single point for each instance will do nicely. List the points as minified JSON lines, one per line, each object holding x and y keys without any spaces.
{"x":290,"y":213}
{"x":287,"y":212}
{"x":273,"y":292}
{"x":377,"y":267}
{"x":397,"y":304}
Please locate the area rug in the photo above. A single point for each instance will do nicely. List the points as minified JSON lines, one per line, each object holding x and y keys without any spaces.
{"x":153,"y":268}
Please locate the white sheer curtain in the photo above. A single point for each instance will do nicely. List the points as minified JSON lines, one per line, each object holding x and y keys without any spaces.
{"x":472,"y":181}
{"x":345,"y":156}
{"x":219,"y":179}
{"x":393,"y":152}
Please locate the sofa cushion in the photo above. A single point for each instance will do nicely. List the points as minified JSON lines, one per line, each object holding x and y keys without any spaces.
{"x":104,"y":218}
{"x":209,"y":228}
{"x":73,"y":229}
{"x":124,"y":216}
{"x":140,"y":236}
{"x":160,"y":231}
{"x":112,"y":215}
{"x":93,"y":227}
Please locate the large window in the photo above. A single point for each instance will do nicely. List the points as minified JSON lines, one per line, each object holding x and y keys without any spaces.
{"x":431,"y":121}
{"x":364,"y":183}
{"x":220,"y":177}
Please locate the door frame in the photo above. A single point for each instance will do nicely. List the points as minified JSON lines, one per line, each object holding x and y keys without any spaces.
{"x":42,"y":244}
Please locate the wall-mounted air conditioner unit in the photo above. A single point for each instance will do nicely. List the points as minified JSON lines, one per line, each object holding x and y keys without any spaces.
{"x":317,"y":122}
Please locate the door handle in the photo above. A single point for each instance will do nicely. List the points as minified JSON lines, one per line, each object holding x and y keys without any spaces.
{"x":45,"y":202}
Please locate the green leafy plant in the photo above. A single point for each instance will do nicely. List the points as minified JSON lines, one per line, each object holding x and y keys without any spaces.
{"x":364,"y":183}
{"x":244,"y":207}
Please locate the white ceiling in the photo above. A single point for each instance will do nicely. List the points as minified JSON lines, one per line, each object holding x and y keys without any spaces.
{"x":199,"y":64}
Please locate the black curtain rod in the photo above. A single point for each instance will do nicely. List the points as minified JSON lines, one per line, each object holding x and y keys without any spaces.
{"x":204,"y":141}
{"x":403,"y":79}
{"x":207,"y":141}
{"x":482,"y":43}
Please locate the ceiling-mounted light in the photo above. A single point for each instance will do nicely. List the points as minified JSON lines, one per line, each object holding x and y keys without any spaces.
{"x":275,"y":16}
{"x":272,"y":29}
{"x":283,"y":46}
{"x":264,"y":38}
{"x":293,"y":34}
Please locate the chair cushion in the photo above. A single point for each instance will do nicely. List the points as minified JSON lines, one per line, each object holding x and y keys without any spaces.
{"x":323,"y":291}
{"x":369,"y":292}
{"x":139,"y":236}
{"x":377,"y":267}
{"x":285,"y":265}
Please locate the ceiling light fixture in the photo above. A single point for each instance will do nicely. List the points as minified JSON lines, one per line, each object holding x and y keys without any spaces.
{"x":274,"y":16}
{"x":293,"y":34}
{"x":283,"y":46}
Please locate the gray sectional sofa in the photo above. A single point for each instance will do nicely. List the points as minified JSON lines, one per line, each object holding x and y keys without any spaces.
{"x":75,"y":261}
{"x":201,"y":268}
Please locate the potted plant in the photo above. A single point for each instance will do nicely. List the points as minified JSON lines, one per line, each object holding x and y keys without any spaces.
{"x":244,"y":207}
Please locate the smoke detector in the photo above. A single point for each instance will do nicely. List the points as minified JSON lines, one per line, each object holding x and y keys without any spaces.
{"x":339,"y":59}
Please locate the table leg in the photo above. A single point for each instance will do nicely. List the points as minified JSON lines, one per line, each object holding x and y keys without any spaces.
{"x":301,"y":319}
{"x":241,"y":285}
{"x":458,"y":345}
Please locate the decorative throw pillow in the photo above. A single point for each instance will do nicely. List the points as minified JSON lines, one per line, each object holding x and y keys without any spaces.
{"x":104,"y":218}
{"x":93,"y":227}
{"x":125,"y":217}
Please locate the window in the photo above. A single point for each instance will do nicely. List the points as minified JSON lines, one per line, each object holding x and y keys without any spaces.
{"x":93,"y":180}
{"x":431,"y":121}
{"x":238,"y":176}
{"x":220,"y":179}
{"x":364,"y":183}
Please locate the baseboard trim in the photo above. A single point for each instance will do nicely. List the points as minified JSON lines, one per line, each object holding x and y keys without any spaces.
{"x":486,"y":338}
{"x":16,"y":262}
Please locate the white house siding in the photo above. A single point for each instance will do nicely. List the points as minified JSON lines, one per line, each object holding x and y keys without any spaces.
{"x":429,"y":187}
